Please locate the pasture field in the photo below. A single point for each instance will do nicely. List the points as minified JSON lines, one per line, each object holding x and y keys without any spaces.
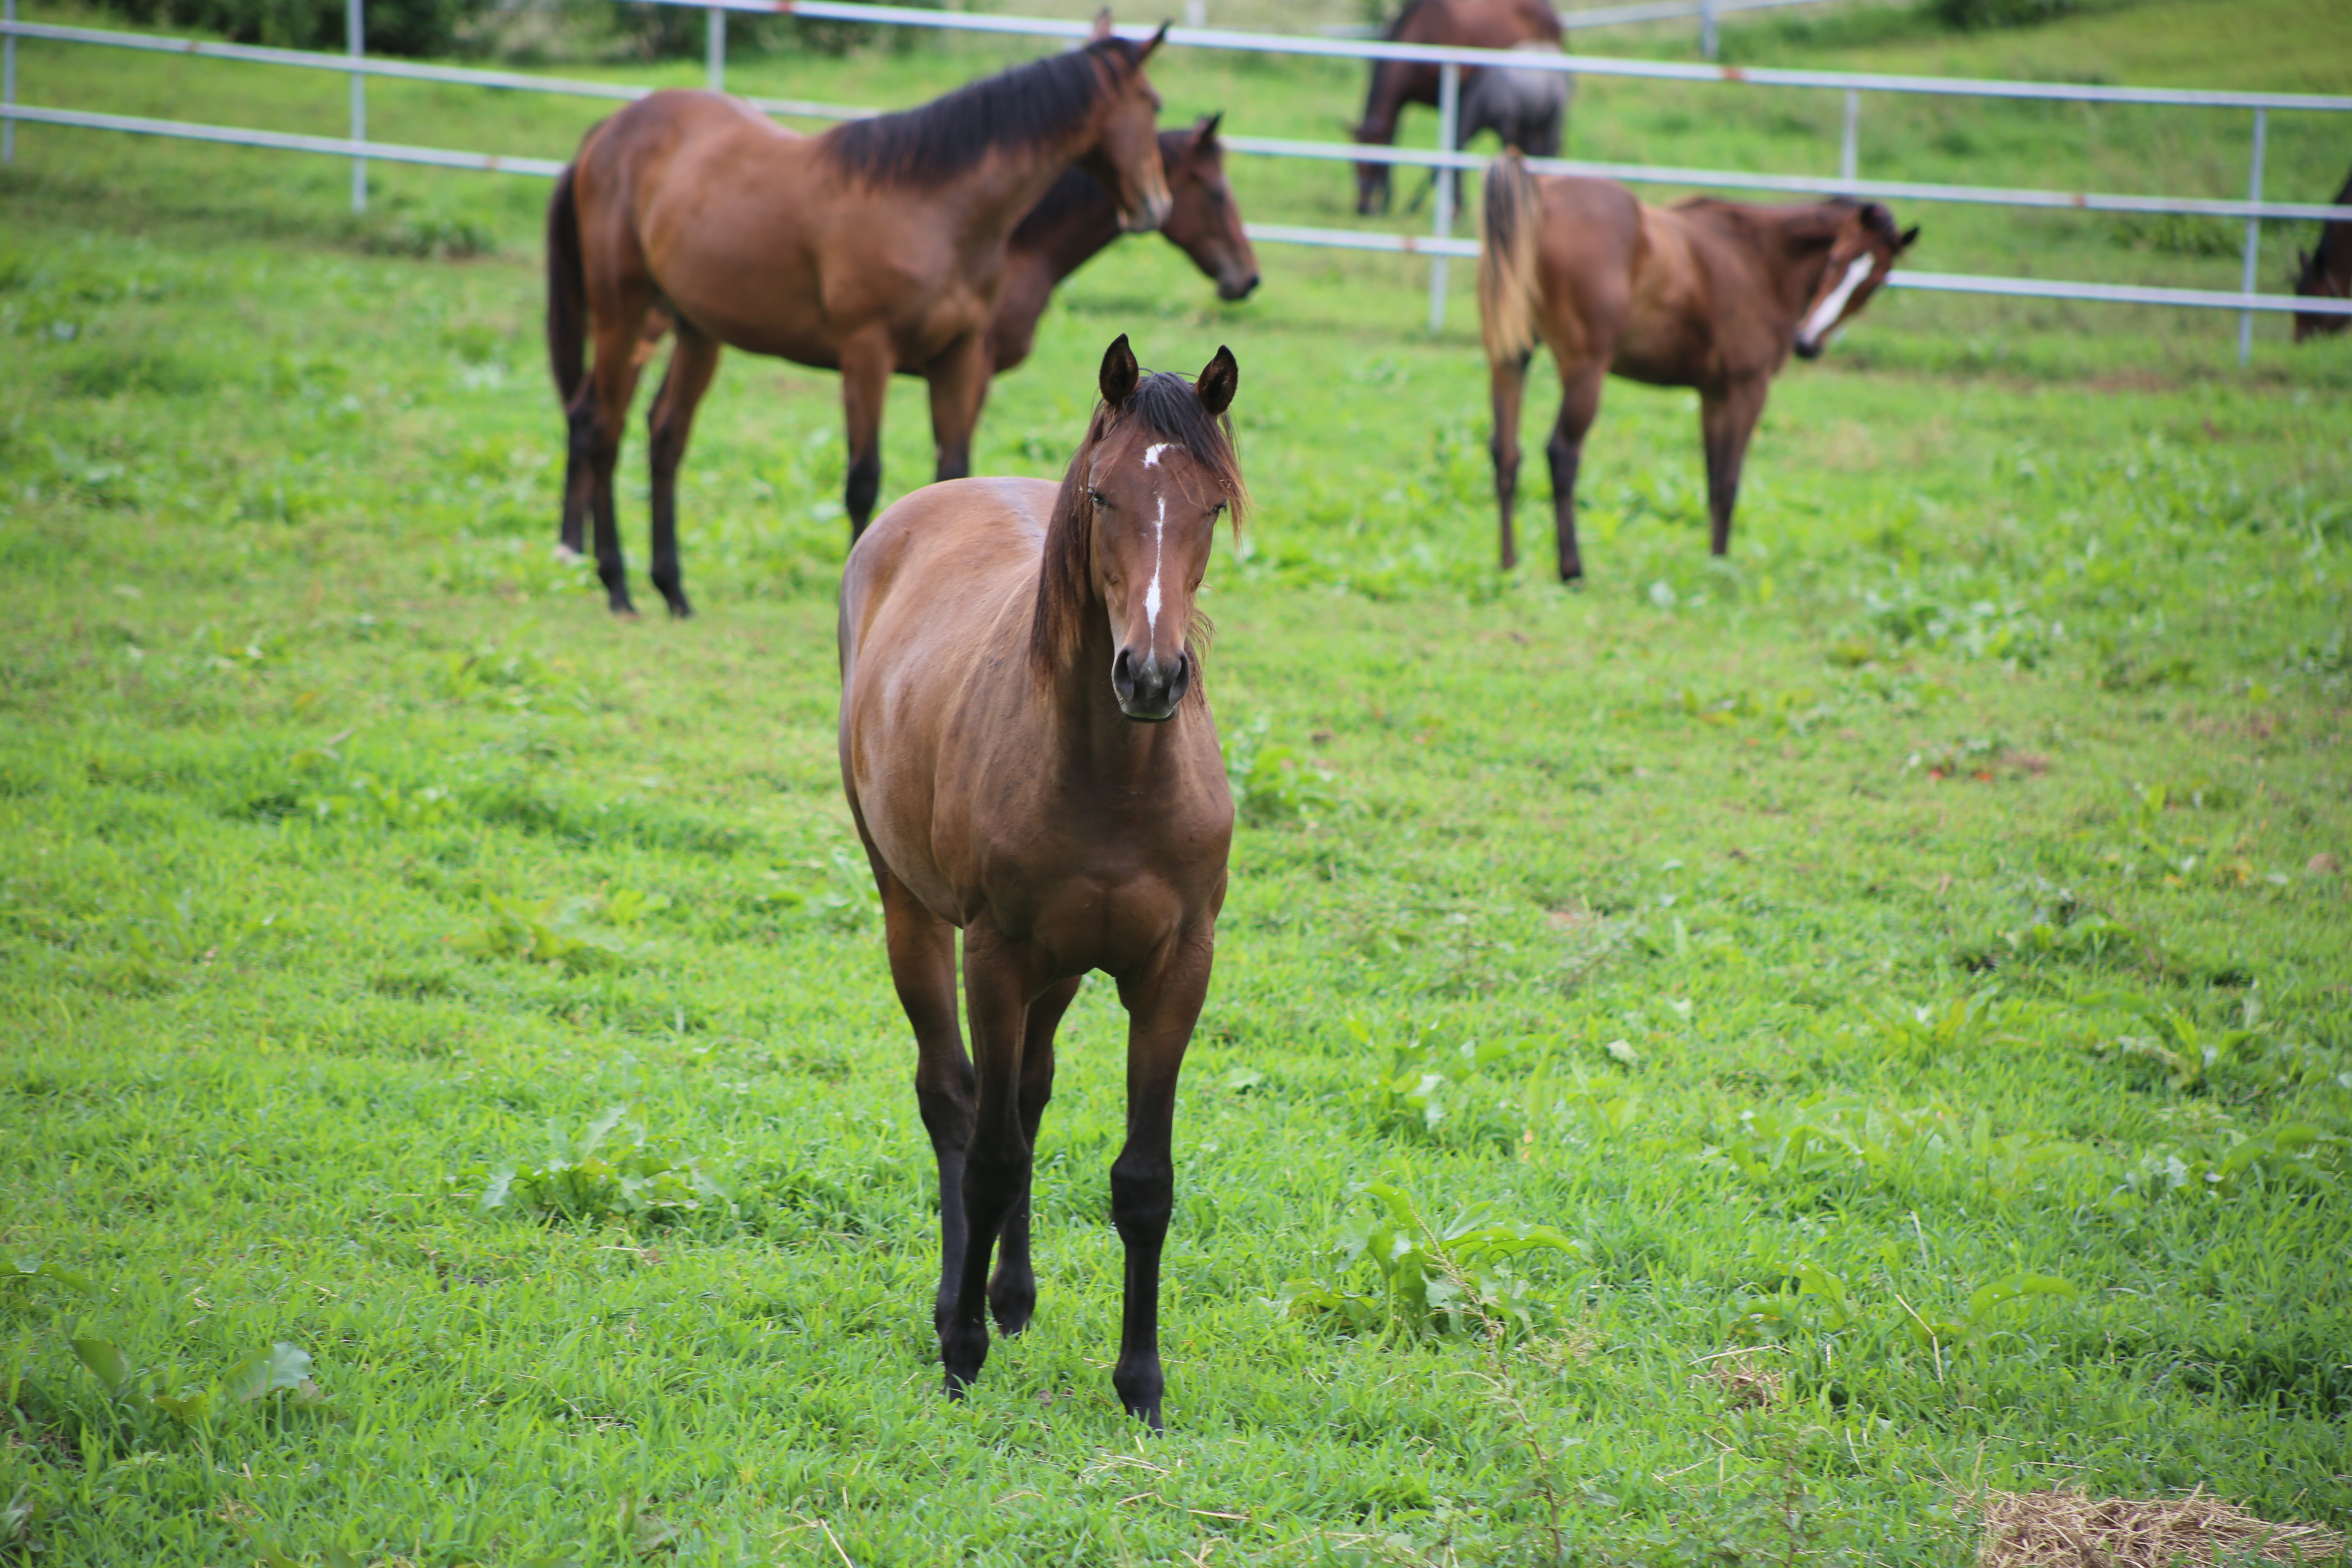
{"x":452,"y":1102}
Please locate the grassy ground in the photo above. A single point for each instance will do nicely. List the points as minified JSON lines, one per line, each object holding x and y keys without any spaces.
{"x":1905,"y":960}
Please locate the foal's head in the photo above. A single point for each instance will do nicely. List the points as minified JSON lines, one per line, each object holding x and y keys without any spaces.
{"x":1134,"y":524}
{"x":1860,"y":256}
{"x":1204,"y":224}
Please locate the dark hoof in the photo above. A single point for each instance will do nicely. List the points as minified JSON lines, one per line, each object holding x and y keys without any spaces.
{"x":624,"y":610}
{"x":963,"y":1350}
{"x":1139,"y":1395}
{"x":679,"y":610}
{"x":1013,"y":1307}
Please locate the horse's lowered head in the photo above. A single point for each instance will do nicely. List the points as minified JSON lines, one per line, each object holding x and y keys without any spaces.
{"x":1205,"y":223}
{"x":1156,"y":471}
{"x":1860,"y":256}
{"x":2315,"y":280}
{"x":1372,"y":179}
{"x":1125,"y":155}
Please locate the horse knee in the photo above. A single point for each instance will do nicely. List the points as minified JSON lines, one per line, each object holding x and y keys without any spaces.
{"x":1142,"y":1197}
{"x":946,"y":1109}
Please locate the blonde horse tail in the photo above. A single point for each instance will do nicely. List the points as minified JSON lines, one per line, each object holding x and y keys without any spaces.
{"x":1506,"y":261}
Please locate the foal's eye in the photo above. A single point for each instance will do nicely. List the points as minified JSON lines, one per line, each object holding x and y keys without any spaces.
{"x":1096,"y":497}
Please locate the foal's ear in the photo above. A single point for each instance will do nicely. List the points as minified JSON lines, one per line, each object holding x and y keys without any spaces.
{"x":1102,"y":26}
{"x":1119,"y":372}
{"x":1152,"y":43}
{"x":1906,"y":239}
{"x":1204,"y":135}
{"x":1218,"y":382}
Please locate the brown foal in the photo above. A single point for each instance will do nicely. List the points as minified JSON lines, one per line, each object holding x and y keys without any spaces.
{"x":1029,"y":755}
{"x":875,"y":247}
{"x":1704,"y":294}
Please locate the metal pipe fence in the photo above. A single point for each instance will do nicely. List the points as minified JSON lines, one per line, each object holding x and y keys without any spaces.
{"x":1445,"y":163}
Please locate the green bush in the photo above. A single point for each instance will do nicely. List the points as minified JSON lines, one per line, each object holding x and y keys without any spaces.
{"x":390,"y":26}
{"x":1968,"y":16}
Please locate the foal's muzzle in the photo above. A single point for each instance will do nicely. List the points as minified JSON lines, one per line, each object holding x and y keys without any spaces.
{"x":1147,"y":689}
{"x":1235,"y":289}
{"x":1809,"y":348}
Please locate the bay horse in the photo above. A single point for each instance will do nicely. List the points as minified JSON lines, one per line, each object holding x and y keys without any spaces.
{"x":1454,"y":24}
{"x":1704,"y":294}
{"x":2327,"y":273}
{"x":1029,"y":755}
{"x":875,"y":248}
{"x":1078,"y":219}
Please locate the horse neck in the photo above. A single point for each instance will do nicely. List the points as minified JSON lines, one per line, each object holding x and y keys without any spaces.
{"x":1798,"y":250}
{"x":1381,"y":100}
{"x":1010,"y":182}
{"x":1080,"y":231}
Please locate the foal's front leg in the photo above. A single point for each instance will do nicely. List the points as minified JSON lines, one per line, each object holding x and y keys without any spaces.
{"x":998,"y":986}
{"x":866,"y":363}
{"x":1163,"y":1003}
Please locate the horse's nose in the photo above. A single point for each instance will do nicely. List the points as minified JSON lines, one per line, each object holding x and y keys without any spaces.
{"x":1231,"y":292}
{"x":1809,"y":348}
{"x":1146,"y":688}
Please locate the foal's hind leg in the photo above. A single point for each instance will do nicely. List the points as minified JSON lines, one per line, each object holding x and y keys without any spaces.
{"x":1580,"y":404}
{"x":691,"y":365}
{"x":620,"y":313}
{"x":959,"y":381}
{"x":1725,"y":421}
{"x":1507,"y":381}
{"x":1012,"y":1289}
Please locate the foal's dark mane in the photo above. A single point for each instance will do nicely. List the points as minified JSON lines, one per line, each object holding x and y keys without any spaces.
{"x":1167,"y":408}
{"x":1021,"y":108}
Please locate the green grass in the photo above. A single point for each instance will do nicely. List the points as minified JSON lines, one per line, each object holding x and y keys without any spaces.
{"x":1946,"y":888}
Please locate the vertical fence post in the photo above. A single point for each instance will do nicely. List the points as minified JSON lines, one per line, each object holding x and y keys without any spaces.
{"x":1706,"y":40}
{"x":714,"y":35}
{"x":1196,"y":13}
{"x":1850,"y":145}
{"x":354,"y":35}
{"x":1449,"y":120}
{"x":2253,"y":239}
{"x":9,"y":91}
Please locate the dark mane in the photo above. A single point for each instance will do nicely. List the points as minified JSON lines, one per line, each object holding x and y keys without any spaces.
{"x":1403,"y":16}
{"x":1023,"y":106}
{"x":1167,"y":408}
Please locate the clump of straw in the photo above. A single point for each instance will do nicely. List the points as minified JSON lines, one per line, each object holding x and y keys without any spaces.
{"x":2066,"y":1530}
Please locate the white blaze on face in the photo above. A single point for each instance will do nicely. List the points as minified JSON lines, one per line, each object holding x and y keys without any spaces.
{"x":1159,"y":542}
{"x":1826,"y":313}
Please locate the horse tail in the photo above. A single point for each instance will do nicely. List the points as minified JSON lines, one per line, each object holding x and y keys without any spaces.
{"x":1506,"y":261}
{"x":567,"y":292}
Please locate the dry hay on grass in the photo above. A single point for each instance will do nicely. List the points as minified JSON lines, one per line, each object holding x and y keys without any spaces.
{"x":2067,"y":1530}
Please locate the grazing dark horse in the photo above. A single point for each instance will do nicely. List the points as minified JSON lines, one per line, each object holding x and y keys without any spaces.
{"x":873,"y":248}
{"x":1454,"y":24}
{"x":1704,"y":294}
{"x":2327,"y":273}
{"x":1078,"y":220}
{"x":1029,"y":755}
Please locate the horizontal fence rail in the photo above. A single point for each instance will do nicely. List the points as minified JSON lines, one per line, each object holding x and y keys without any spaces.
{"x":1445,"y":164}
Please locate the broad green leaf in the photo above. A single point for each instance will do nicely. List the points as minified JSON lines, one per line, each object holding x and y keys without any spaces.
{"x":187,"y":1409}
{"x":106,"y":1362}
{"x":2017,"y":1286}
{"x":1241,"y":1080}
{"x":596,"y":1131}
{"x":280,"y":1367}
